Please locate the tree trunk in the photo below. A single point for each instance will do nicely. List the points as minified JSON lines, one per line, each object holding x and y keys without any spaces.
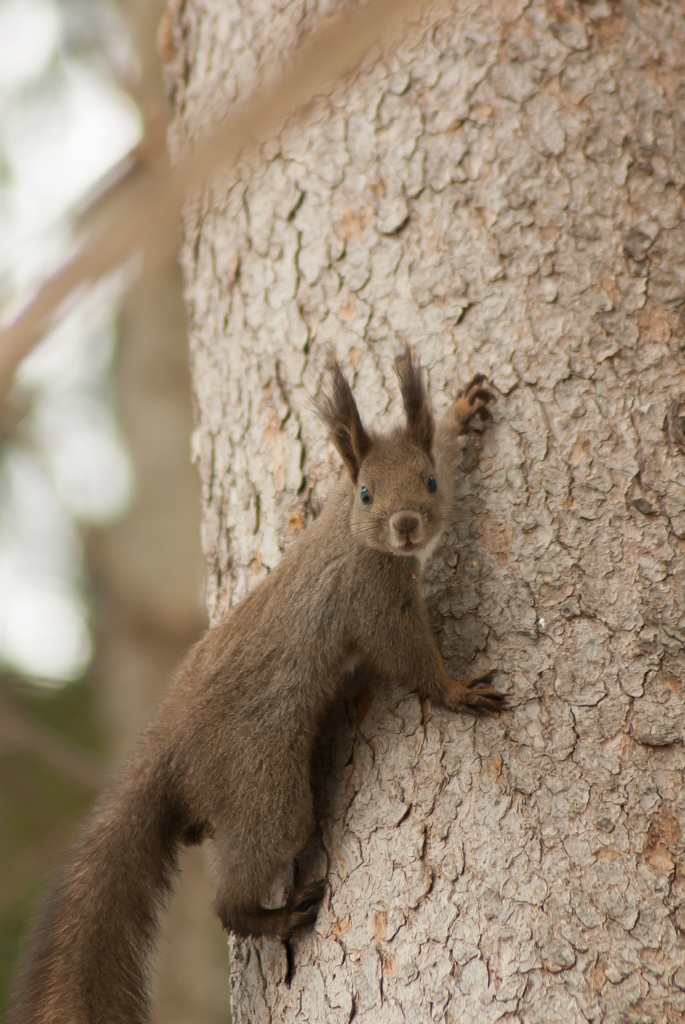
{"x":503,"y":189}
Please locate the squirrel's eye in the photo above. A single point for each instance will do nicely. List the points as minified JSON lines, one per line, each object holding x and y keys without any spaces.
{"x":432,"y":484}
{"x":366,"y":496}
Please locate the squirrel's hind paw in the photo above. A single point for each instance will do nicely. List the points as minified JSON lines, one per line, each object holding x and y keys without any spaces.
{"x":479,"y":696}
{"x":304,"y":904}
{"x":308,"y":896}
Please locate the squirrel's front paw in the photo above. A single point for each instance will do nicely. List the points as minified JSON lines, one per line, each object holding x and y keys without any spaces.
{"x":476,"y":695}
{"x":472,"y":401}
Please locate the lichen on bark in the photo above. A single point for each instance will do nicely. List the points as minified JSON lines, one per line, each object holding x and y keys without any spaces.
{"x":503,"y":188}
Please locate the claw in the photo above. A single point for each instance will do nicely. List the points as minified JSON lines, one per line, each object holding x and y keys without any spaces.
{"x":481,"y":394}
{"x":478,"y":378}
{"x":482,"y":697}
{"x":480,"y":680}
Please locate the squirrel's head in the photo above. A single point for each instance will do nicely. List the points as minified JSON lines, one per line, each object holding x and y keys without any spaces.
{"x":398,"y":503}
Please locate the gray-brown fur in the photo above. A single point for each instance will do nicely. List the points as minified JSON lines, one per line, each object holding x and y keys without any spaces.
{"x":227,"y":757}
{"x":338,"y":410}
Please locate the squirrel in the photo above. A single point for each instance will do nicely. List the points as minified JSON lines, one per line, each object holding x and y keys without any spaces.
{"x":227,"y":757}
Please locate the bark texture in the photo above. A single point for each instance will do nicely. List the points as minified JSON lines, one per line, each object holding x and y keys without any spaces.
{"x":504,"y":189}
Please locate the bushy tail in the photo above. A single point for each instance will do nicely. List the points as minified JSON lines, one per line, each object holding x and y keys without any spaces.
{"x":87,"y":954}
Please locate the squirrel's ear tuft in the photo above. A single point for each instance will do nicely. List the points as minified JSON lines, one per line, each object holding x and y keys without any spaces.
{"x":420,"y":423}
{"x":338,"y":410}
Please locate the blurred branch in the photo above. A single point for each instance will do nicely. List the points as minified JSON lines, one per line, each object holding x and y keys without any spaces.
{"x":18,"y":729}
{"x":102,"y":200}
{"x":148,"y":204}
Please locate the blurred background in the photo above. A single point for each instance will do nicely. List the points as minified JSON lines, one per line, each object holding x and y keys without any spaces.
{"x":101,"y":575}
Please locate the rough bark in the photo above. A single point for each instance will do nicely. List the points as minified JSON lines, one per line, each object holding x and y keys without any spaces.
{"x":504,"y":190}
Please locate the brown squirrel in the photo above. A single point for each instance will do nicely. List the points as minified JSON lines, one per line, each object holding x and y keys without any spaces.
{"x":227,"y":756}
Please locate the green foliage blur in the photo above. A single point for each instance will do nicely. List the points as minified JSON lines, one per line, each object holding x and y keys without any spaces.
{"x":40,"y":806}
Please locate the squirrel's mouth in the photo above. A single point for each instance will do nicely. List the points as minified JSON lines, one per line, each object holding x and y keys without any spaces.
{"x":407,"y":547}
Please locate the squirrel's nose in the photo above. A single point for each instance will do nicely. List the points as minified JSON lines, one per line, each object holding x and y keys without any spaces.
{"x":405,"y":524}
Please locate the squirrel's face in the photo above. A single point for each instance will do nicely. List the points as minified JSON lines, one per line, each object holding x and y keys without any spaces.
{"x":398,"y":503}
